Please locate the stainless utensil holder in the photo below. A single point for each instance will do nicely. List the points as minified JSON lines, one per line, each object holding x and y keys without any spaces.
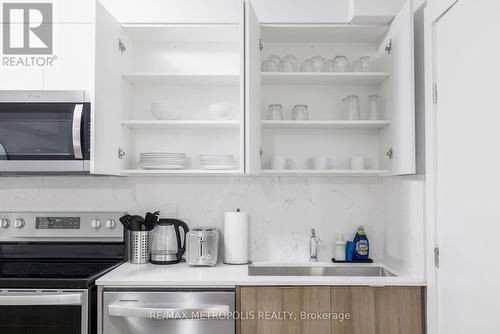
{"x":139,"y":247}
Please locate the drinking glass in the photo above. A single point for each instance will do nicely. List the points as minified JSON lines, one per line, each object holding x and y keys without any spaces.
{"x":271,"y":64}
{"x":352,"y":110}
{"x":275,"y":112}
{"x":308,"y":66}
{"x":340,"y":64}
{"x":318,"y":62}
{"x":300,"y":112}
{"x":366,"y":63}
{"x":288,"y":64}
{"x":328,"y":66}
{"x":374,"y":107}
{"x":363,"y":64}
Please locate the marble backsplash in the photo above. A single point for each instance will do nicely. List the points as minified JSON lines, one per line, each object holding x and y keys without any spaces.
{"x":282,"y":210}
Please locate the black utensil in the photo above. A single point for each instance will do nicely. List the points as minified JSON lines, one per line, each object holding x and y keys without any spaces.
{"x":125,"y":220}
{"x":151,"y":220}
{"x":137,"y":223}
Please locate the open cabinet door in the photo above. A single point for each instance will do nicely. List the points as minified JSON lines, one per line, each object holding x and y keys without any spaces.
{"x":252,"y":92}
{"x":108,"y":96}
{"x":396,"y":56}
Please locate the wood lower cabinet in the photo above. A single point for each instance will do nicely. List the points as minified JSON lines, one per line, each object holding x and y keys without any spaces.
{"x":330,"y":310}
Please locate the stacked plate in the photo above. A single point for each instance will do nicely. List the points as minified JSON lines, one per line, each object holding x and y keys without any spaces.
{"x":162,"y":160}
{"x":217,"y":161}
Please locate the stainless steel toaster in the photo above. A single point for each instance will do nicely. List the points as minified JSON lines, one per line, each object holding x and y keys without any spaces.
{"x":202,"y":246}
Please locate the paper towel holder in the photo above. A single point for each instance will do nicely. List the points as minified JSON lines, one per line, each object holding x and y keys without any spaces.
{"x":237,"y":263}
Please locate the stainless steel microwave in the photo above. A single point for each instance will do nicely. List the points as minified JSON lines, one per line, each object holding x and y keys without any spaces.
{"x":44,"y":132}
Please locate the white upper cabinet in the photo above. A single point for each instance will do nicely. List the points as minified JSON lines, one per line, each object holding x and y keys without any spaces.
{"x":169,"y":87}
{"x":326,"y":139}
{"x":198,"y":86}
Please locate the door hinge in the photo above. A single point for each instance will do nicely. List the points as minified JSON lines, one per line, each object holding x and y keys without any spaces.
{"x":121,"y":46}
{"x":261,"y":45}
{"x":434,"y":93}
{"x":390,"y":153}
{"x":388,"y":47}
{"x":121,"y":153}
{"x":261,"y":152}
{"x":436,"y":257}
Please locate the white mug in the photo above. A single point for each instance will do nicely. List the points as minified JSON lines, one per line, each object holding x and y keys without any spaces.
{"x":320,"y":163}
{"x":359,"y":163}
{"x":278,"y":162}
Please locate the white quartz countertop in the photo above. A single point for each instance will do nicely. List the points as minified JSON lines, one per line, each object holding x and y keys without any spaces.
{"x":179,"y":275}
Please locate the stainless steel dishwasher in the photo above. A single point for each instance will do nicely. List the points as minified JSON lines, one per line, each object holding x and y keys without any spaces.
{"x":155,"y":311}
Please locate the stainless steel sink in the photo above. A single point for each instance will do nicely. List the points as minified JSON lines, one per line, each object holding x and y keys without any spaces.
{"x":319,"y":271}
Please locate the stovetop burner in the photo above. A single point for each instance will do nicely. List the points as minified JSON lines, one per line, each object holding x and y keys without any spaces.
{"x":63,"y":270}
{"x":50,"y":274}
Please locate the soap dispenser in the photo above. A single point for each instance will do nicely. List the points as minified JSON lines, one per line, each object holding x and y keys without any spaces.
{"x":361,"y":245}
{"x":340,"y":245}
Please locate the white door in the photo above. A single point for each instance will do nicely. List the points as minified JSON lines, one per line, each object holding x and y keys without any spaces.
{"x":467,"y":165}
{"x":397,"y":145}
{"x":252,"y":91}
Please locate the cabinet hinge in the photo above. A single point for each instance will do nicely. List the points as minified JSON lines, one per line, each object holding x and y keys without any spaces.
{"x":434,"y":93}
{"x":261,"y":152}
{"x":390,"y":153}
{"x":436,"y":257}
{"x":388,"y":47}
{"x":121,"y":46}
{"x":261,"y":45}
{"x":121,"y":153}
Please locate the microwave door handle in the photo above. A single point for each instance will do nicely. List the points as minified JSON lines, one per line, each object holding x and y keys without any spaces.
{"x":77,"y":130}
{"x":168,"y":313}
{"x":41,"y":299}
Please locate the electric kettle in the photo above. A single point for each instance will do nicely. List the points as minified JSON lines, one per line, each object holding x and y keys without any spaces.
{"x":167,"y":246}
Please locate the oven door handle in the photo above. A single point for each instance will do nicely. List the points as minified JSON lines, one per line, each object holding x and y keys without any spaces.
{"x":77,"y":130}
{"x":169,"y":313}
{"x":41,"y":299}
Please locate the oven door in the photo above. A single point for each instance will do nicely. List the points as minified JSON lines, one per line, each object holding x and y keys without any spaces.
{"x":43,"y":312}
{"x":44,"y":137}
{"x":169,"y":311}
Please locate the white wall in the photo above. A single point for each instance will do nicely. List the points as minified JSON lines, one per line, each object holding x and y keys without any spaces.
{"x":282,"y":210}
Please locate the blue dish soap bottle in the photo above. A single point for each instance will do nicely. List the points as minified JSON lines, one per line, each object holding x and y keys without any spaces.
{"x":361,"y":245}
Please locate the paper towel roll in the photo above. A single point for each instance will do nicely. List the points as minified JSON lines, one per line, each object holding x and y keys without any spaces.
{"x":236,"y":237}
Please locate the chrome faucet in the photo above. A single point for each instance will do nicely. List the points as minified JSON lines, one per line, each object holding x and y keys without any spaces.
{"x":313,"y":246}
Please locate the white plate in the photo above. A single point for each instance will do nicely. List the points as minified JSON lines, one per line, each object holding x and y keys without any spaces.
{"x":211,"y":167}
{"x":169,"y":166}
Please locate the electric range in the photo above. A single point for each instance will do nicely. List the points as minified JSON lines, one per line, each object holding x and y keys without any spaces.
{"x":49,"y":262}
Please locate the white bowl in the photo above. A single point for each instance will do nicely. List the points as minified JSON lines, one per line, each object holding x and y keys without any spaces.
{"x":165,"y":111}
{"x":222,"y":110}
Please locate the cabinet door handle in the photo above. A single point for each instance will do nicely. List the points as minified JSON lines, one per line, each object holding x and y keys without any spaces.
{"x":77,"y":130}
{"x":168,"y":312}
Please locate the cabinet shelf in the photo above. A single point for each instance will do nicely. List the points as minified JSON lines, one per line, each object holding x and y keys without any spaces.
{"x":193,"y":172}
{"x":323,"y":78}
{"x":325,"y":124}
{"x":339,"y":172}
{"x":182,"y":79}
{"x":180,"y":124}
{"x":194,"y":33}
{"x":321,"y":33}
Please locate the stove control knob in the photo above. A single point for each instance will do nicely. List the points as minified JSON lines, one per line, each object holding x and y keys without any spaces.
{"x":4,"y":223}
{"x":110,"y":223}
{"x":95,"y":224}
{"x":19,"y":223}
